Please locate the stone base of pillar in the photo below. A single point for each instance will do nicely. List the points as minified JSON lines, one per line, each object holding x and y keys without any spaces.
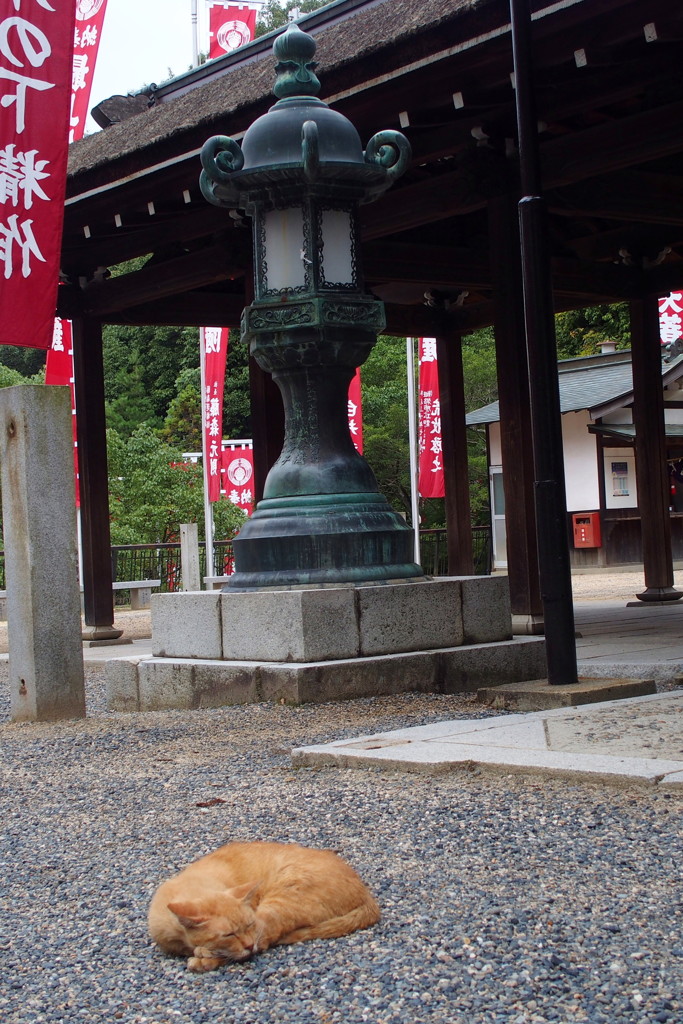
{"x":658,"y":595}
{"x":97,"y":636}
{"x":528,"y":625}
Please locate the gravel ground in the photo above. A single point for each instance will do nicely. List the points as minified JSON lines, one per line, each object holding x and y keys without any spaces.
{"x":506,"y":899}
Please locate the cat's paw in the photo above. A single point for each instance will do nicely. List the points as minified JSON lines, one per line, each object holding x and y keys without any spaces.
{"x":203,"y":961}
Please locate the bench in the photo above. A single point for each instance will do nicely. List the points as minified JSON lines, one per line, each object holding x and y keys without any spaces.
{"x":140,"y":594}
{"x":215,"y":582}
{"x":140,"y":591}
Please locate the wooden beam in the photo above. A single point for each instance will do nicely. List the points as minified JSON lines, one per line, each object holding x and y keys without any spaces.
{"x":595,"y":151}
{"x":607,"y":147}
{"x":190,"y":309}
{"x":157,"y":281}
{"x":147,"y":236}
{"x":643,"y":197}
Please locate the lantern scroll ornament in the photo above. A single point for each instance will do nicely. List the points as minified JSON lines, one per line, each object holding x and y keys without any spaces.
{"x":301,"y":175}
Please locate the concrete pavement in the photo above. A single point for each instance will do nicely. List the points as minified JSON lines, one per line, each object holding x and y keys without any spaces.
{"x":639,"y":740}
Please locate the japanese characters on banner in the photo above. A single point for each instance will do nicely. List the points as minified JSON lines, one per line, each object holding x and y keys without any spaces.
{"x":355,"y":408}
{"x":238,"y":469}
{"x":214,"y":347}
{"x":230,"y":27}
{"x":671,"y":317}
{"x":60,"y":362}
{"x":89,"y":19}
{"x":430,"y":478}
{"x":36,"y":41}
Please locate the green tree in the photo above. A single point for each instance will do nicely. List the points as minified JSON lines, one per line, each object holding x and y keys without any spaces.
{"x":132,"y":408}
{"x":26,"y":361}
{"x":581,"y":332}
{"x":183,"y":424}
{"x":152,"y":491}
{"x":9,"y":377}
{"x":151,"y":357}
{"x":385,"y":420}
{"x":236,"y":396}
{"x":274,"y":14}
{"x":481,"y":387}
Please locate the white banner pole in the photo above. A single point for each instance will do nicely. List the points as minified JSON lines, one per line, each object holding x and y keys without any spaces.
{"x":195,"y":33}
{"x":208,"y":507}
{"x":412,"y":441}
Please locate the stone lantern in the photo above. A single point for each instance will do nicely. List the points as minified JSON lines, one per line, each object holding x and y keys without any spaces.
{"x":301,"y":174}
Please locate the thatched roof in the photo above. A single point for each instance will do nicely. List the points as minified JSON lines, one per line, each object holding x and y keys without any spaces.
{"x":370,"y":40}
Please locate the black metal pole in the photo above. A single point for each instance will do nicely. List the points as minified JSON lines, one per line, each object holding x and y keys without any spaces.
{"x":539,"y":318}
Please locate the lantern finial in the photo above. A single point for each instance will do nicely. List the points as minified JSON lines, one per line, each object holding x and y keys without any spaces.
{"x":295,"y":66}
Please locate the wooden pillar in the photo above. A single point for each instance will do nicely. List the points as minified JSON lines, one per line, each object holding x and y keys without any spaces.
{"x":267,"y":411}
{"x":267,"y":423}
{"x":515,"y":417}
{"x":454,"y":450}
{"x":94,"y":487}
{"x":653,"y":481}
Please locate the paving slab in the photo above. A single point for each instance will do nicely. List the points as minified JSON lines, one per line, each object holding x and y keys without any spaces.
{"x":539,"y":695}
{"x":637,"y":740}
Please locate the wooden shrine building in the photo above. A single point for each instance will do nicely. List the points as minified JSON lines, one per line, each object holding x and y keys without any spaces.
{"x":441,"y":248}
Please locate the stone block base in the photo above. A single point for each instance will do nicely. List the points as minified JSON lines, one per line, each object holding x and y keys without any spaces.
{"x":307,"y":624}
{"x":157,"y":684}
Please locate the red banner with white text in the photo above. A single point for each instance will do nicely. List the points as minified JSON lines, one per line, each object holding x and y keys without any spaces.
{"x":36,"y":42}
{"x":60,"y":370}
{"x":89,"y":20}
{"x":230,"y":27}
{"x":238,"y":470}
{"x":214,"y":348}
{"x":671,"y":318}
{"x":431,"y":479}
{"x":355,"y":408}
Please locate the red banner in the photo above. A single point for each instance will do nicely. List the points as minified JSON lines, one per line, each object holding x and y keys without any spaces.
{"x":356,"y":412}
{"x":36,"y":41}
{"x":238,"y":467}
{"x":671,"y":318}
{"x":431,"y":479}
{"x":214,"y":352}
{"x":60,"y":364}
{"x":89,"y":19}
{"x":230,"y":27}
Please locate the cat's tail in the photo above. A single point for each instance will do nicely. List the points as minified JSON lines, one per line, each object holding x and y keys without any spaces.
{"x":361,"y":917}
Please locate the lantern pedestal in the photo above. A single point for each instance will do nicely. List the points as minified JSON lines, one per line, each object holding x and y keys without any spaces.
{"x":322,"y":519}
{"x":316,"y":644}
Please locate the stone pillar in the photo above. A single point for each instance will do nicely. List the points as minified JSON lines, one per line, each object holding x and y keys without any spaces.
{"x":41,"y":559}
{"x":189,"y":556}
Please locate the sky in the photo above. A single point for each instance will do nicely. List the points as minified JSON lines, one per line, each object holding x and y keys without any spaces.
{"x":144,"y":41}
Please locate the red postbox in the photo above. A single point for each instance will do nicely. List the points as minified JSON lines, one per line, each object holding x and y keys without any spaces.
{"x":586,"y":529}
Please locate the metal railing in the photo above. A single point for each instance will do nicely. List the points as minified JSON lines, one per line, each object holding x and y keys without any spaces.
{"x":162,"y":561}
{"x":434,"y":551}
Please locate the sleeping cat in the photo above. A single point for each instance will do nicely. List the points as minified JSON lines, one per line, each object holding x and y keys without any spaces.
{"x":245,"y":897}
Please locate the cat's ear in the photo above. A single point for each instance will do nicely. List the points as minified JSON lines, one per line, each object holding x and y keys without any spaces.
{"x":187,"y":913}
{"x":247,"y":893}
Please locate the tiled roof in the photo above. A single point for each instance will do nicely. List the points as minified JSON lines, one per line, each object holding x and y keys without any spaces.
{"x":587,"y":384}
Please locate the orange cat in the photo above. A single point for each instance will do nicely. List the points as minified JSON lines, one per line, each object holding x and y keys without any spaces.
{"x":245,"y":897}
